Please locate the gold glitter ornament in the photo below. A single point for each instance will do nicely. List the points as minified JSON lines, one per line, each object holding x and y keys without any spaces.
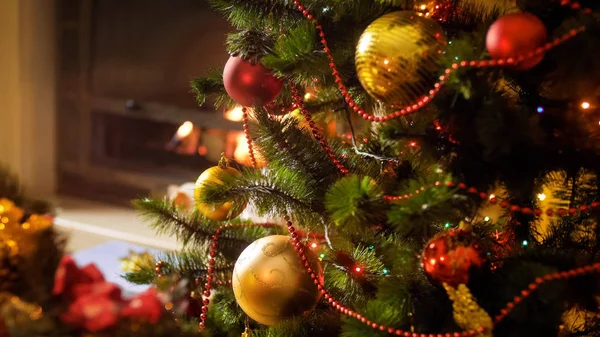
{"x":9,"y":213}
{"x":270,"y":283}
{"x":135,"y":262}
{"x":398,"y":57}
{"x":220,"y":211}
{"x":467,"y":313}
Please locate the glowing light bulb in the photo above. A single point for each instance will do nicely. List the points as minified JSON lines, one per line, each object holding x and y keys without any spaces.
{"x":413,"y":144}
{"x":423,"y":6}
{"x":492,"y":196}
{"x":541,"y":197}
{"x":308,"y":96}
{"x":357,"y":269}
{"x":486,"y":219}
{"x":322,"y":256}
{"x":386,"y":61}
{"x":525,"y":243}
{"x":540,"y":109}
{"x":585,"y":105}
{"x":313,"y":245}
{"x":385,"y":272}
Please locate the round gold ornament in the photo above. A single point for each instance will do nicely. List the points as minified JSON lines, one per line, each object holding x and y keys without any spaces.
{"x":271,"y":284}
{"x":217,"y":212}
{"x":398,"y":57}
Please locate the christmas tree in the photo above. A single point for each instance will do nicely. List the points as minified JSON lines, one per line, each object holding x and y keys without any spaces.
{"x":428,"y":168}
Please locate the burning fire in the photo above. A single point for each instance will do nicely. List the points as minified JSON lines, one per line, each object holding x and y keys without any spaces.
{"x":242,"y":153}
{"x":185,"y":129}
{"x":235,"y":115}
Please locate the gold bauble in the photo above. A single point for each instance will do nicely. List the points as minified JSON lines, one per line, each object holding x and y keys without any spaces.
{"x":398,"y":57}
{"x":220,"y":211}
{"x":271,"y":284}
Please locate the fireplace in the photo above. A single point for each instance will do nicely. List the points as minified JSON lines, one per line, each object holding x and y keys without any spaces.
{"x":127,"y":123}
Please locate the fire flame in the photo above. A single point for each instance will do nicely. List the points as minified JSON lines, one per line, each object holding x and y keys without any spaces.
{"x":242,"y":153}
{"x":185,"y":129}
{"x":235,"y":115}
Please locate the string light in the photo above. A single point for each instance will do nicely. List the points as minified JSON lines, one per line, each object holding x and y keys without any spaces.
{"x":385,"y":271}
{"x":525,"y":243}
{"x":492,"y":196}
{"x":540,"y":109}
{"x":371,"y":247}
{"x":357,"y":269}
{"x":308,"y":96}
{"x":313,"y":245}
{"x":585,"y":105}
{"x":322,"y":256}
{"x":541,"y":197}
{"x":413,"y":144}
{"x":486,"y":219}
{"x":447,"y":225}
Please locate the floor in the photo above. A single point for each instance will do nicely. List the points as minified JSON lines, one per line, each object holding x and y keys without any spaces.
{"x":91,"y":224}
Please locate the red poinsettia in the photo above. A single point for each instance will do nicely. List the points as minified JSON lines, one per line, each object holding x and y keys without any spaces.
{"x":145,"y":306}
{"x":93,"y":312}
{"x":94,"y":304}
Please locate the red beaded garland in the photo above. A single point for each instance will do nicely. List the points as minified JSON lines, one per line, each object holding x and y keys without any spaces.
{"x":442,"y":80}
{"x":317,"y":132}
{"x":573,"y":211}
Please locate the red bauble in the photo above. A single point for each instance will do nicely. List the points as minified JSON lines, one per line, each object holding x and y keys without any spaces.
{"x":517,"y":34}
{"x":250,"y":84}
{"x":450,"y":256}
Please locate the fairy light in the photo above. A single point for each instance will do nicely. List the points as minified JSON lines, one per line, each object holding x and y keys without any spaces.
{"x":492,"y":196}
{"x":423,"y":6}
{"x":313,"y":245}
{"x":525,"y":243}
{"x":540,"y":109}
{"x":308,"y":96}
{"x":585,"y":105}
{"x":358,"y":269}
{"x":413,"y":144}
{"x":486,"y":219}
{"x":322,"y":256}
{"x":385,"y":271}
{"x":541,"y":197}
{"x":447,"y":225}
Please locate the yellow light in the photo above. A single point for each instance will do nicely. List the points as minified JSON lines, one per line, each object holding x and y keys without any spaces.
{"x":541,"y":196}
{"x":423,"y":6}
{"x":492,"y":196}
{"x":235,"y":115}
{"x":365,"y":41}
{"x":308,"y":96}
{"x":585,"y":105}
{"x":357,"y":269}
{"x":185,"y":129}
{"x":386,"y":61}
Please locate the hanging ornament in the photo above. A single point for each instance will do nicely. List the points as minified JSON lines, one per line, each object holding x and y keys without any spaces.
{"x":250,"y":84}
{"x":271,"y":284}
{"x":517,"y":34}
{"x":467,"y":313}
{"x":217,"y":212}
{"x":398,"y":57}
{"x":451,"y":255}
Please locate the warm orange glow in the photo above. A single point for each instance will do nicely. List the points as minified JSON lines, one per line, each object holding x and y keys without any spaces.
{"x":492,"y":196}
{"x":308,"y":96}
{"x":235,"y":115}
{"x":357,"y":269}
{"x":432,"y":262}
{"x":202,"y":150}
{"x":185,"y":129}
{"x":423,"y":6}
{"x":413,"y":144}
{"x":386,"y":61}
{"x":585,"y":105}
{"x":313,"y":245}
{"x":242,"y":153}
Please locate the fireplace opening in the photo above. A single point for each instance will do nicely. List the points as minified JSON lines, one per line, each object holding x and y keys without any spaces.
{"x":128,"y":125}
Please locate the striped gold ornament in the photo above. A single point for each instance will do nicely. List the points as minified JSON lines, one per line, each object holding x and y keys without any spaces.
{"x":398,"y":57}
